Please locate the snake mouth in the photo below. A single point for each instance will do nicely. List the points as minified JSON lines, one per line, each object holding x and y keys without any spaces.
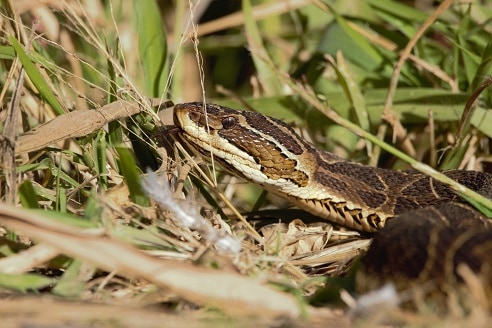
{"x":193,"y":122}
{"x":179,"y":115}
{"x":185,"y":117}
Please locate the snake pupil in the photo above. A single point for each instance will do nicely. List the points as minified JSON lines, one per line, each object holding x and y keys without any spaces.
{"x":229,"y":122}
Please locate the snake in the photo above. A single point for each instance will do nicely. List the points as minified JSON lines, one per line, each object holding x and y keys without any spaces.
{"x":423,"y":233}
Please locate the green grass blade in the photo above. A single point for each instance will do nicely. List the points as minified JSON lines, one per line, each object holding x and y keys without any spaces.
{"x":152,"y":45}
{"x":470,"y":60}
{"x":408,"y":28}
{"x":354,"y":94}
{"x":484,"y":67}
{"x":130,"y":172}
{"x":100,"y":148}
{"x":7,"y":52}
{"x":397,"y":9}
{"x":47,"y":164}
{"x":341,"y":37}
{"x":24,"y":282}
{"x":36,"y":77}
{"x":268,"y":78}
{"x":64,"y":218}
{"x":74,"y":279}
{"x":27,"y":195}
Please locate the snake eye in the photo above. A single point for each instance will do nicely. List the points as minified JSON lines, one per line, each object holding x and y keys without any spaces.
{"x":229,"y":122}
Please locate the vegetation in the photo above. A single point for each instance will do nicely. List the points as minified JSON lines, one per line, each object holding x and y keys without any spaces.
{"x":384,"y":82}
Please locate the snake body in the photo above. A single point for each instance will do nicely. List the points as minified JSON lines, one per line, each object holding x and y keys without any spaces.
{"x":428,"y":229}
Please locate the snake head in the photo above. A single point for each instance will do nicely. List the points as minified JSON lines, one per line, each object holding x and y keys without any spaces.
{"x":190,"y":116}
{"x":260,"y":148}
{"x":204,"y":126}
{"x":214,"y":132}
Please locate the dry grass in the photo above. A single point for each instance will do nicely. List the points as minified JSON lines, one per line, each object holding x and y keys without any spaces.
{"x":84,"y":93}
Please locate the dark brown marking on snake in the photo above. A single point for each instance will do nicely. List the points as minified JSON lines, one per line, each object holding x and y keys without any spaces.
{"x":410,"y":234}
{"x":360,"y":173}
{"x":397,"y":179}
{"x":478,"y":181}
{"x":428,"y":192}
{"x":403,"y":204}
{"x":330,"y":181}
{"x":261,"y":124}
{"x":211,"y":109}
{"x":274,"y":163}
{"x":372,"y":199}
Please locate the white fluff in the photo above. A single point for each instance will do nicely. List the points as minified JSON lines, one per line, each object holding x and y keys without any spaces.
{"x":188,"y":217}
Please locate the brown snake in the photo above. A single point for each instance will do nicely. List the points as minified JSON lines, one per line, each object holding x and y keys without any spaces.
{"x":429,"y":230}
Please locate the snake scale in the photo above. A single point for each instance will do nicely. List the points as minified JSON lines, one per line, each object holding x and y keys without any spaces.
{"x":428,"y":232}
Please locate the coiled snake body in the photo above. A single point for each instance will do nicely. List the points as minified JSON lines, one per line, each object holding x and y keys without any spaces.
{"x":429,"y":230}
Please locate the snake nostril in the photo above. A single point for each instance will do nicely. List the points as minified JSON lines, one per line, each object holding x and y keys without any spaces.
{"x":194,"y":116}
